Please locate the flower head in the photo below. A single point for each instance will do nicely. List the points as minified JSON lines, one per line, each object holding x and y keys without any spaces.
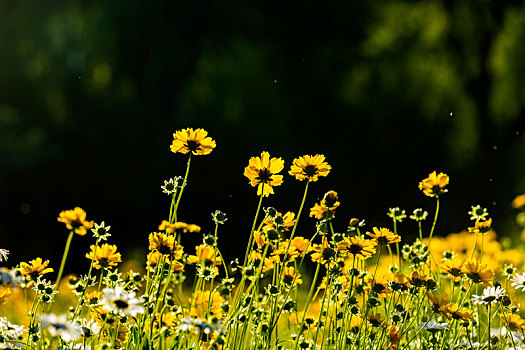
{"x":518,"y":282}
{"x":309,"y":167}
{"x":120,"y":302}
{"x":195,"y":141}
{"x":101,"y":231}
{"x":35,"y":268}
{"x":481,"y":227}
{"x":75,"y":220}
{"x":357,"y":247}
{"x":477,"y":213}
{"x":478,"y":272}
{"x":434,"y":184}
{"x":59,"y":326}
{"x":396,"y":214}
{"x":419,"y":215}
{"x":104,"y":256}
{"x":490,"y":295}
{"x":172,"y":185}
{"x":204,"y":302}
{"x":326,"y":207}
{"x":384,"y":236}
{"x":262,"y":172}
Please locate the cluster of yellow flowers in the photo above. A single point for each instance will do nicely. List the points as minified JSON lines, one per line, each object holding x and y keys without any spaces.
{"x":333,"y":289}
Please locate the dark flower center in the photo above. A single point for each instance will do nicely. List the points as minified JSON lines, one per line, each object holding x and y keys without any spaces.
{"x":310,"y":170}
{"x":264,"y":175}
{"x":121,"y":304}
{"x":382,"y":240}
{"x":164,"y":249}
{"x":193,"y":145}
{"x":355,"y":249}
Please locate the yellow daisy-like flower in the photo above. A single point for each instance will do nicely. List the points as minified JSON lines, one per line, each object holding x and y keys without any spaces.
{"x":325,"y":208}
{"x":309,"y":167}
{"x":378,"y":285}
{"x":289,"y":275}
{"x":262,"y":172}
{"x":195,"y":141}
{"x":457,"y":314}
{"x":376,"y":320}
{"x":178,"y":227}
{"x":92,"y":298}
{"x":161,"y":243}
{"x":434,"y":184}
{"x":204,"y":253}
{"x":35,"y":268}
{"x":513,"y":322}
{"x":355,"y":324}
{"x":357,"y":247}
{"x":75,"y":220}
{"x":481,"y":227}
{"x":440,"y":304}
{"x":104,"y":256}
{"x":384,"y":236}
{"x":452,"y":268}
{"x":204,"y":301}
{"x":286,"y":221}
{"x":478,"y":272}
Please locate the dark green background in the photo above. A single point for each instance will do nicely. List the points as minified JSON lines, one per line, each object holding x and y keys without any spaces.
{"x":91,"y":92}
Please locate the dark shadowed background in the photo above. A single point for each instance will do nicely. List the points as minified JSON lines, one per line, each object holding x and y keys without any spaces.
{"x":91,"y":93}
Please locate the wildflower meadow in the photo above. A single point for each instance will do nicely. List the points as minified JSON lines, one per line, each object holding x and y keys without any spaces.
{"x":329,"y":287}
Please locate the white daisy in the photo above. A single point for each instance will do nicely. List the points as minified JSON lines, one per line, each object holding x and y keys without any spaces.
{"x":433,"y":326}
{"x":518,"y":282}
{"x":120,"y":302}
{"x":9,"y":330}
{"x":490,"y":295}
{"x":61,"y":327}
{"x":89,"y":327}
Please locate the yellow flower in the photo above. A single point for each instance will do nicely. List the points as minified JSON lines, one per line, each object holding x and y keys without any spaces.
{"x":355,"y":324}
{"x":519,"y":202}
{"x":34,"y":268}
{"x":168,"y":319}
{"x":205,"y":253}
{"x":513,"y":322}
{"x":326,"y":207}
{"x":262,"y":172}
{"x":104,"y":256}
{"x":267,"y":264}
{"x":481,"y":227}
{"x":378,"y":285}
{"x":207,"y":302}
{"x":93,"y":297}
{"x":153,"y":258}
{"x":289,"y":274}
{"x":4,"y":294}
{"x":452,"y":268}
{"x":195,"y":141}
{"x":439,"y":304}
{"x":301,"y":244}
{"x":457,"y":314}
{"x":384,"y":236}
{"x":357,"y":247}
{"x":434,"y":184}
{"x":161,"y":243}
{"x":376,"y":320}
{"x":75,"y":220}
{"x":178,"y":227}
{"x":288,"y":220}
{"x":309,"y":167}
{"x":478,"y":272}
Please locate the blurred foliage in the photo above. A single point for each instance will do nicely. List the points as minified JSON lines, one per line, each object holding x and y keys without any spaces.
{"x":389,"y":91}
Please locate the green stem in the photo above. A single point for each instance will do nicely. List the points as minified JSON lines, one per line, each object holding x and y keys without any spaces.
{"x":64,"y":257}
{"x":249,"y":247}
{"x":181,"y":190}
{"x":434,"y":223}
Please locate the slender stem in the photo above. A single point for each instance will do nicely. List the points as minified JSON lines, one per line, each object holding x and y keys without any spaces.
{"x":249,"y":247}
{"x":181,"y":190}
{"x":64,"y":257}
{"x":434,"y":223}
